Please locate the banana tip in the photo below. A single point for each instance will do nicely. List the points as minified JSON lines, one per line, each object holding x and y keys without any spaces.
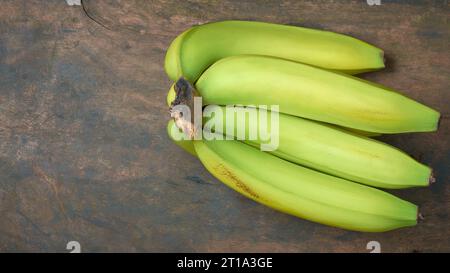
{"x":420,"y":216}
{"x":438,"y":125}
{"x":432,"y":178}
{"x":184,"y":95}
{"x":383,"y":58}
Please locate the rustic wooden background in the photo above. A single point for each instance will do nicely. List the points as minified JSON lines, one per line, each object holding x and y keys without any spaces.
{"x":84,"y":154}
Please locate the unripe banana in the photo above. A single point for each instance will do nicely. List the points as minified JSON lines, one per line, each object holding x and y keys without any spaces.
{"x":199,"y":47}
{"x":171,"y":97}
{"x":322,"y":147}
{"x":313,"y":93}
{"x":302,"y":192}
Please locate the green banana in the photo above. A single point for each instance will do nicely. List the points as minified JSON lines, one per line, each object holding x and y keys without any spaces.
{"x":302,"y":192}
{"x":323,"y":147}
{"x":313,"y":93}
{"x":188,"y":146}
{"x":198,"y":47}
{"x":171,"y":97}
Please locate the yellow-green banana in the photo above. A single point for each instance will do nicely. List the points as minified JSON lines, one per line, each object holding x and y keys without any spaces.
{"x":302,"y":192}
{"x":171,"y":97}
{"x":200,"y":46}
{"x":314,"y":93}
{"x":323,"y":147}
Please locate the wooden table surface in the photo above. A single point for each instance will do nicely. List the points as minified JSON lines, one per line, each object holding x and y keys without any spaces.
{"x":84,"y":154}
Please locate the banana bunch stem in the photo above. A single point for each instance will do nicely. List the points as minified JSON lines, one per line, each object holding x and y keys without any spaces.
{"x":324,"y":166}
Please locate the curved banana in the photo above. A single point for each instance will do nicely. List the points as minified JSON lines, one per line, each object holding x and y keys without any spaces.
{"x":171,"y":97}
{"x":302,"y":192}
{"x":199,"y":47}
{"x":324,"y":148}
{"x":313,"y":93}
{"x":188,"y":146}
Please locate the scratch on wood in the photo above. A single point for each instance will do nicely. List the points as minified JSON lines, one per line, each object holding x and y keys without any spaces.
{"x":91,"y":17}
{"x":52,"y":183}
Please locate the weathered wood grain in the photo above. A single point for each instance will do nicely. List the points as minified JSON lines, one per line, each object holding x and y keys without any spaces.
{"x":83,"y":149}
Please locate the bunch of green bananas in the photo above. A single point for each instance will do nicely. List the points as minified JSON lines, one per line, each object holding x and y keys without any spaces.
{"x":326,"y":118}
